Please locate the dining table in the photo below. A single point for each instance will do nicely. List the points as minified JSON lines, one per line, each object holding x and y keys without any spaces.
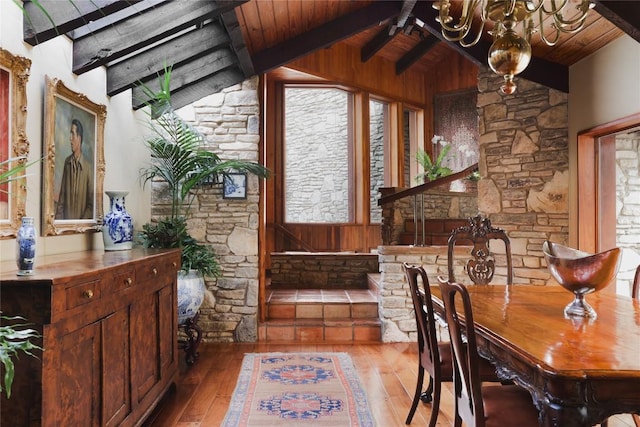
{"x":578,"y":370}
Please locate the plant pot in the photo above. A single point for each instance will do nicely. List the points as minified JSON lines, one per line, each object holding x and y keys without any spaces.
{"x":190,"y":294}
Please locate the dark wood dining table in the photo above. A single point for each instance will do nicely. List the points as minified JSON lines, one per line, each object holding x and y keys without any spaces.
{"x":578,"y":371}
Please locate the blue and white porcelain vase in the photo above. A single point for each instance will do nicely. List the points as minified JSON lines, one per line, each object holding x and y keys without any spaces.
{"x":26,"y":246}
{"x":190,"y":294}
{"x":117,"y":226}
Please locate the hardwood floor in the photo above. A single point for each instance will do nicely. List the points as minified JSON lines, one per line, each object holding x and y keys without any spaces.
{"x":387,"y":371}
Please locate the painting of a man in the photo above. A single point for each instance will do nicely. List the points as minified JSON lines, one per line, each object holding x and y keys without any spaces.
{"x":75,"y":199}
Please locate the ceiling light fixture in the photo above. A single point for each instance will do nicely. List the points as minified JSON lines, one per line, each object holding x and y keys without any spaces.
{"x":510,"y":52}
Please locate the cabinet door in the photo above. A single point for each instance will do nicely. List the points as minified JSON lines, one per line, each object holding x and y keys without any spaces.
{"x":145,"y":352}
{"x":78,"y":380}
{"x":116,"y":394}
{"x":168,"y":333}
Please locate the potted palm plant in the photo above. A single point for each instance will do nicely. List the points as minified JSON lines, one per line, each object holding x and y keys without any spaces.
{"x":179,"y":160}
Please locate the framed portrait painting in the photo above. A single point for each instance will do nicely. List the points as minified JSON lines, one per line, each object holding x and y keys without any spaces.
{"x":14,"y":145}
{"x":234,"y":186}
{"x":74,"y":161}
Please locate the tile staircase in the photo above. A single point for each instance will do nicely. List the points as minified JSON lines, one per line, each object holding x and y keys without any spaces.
{"x":322,"y":315}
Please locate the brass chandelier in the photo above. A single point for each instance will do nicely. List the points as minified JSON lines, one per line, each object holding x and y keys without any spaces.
{"x":510,"y":52}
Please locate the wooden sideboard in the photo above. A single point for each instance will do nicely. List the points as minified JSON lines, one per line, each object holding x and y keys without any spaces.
{"x":108,"y":322}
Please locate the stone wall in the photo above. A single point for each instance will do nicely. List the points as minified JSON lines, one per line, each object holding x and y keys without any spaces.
{"x":229,"y":120}
{"x":318,"y":270}
{"x":628,"y":203}
{"x":524,"y":164}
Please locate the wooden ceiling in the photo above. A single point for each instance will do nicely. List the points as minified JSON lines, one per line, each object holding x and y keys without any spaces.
{"x":215,"y":44}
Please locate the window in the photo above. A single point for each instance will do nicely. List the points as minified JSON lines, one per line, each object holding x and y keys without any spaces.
{"x":378,"y":139}
{"x":317,"y":155}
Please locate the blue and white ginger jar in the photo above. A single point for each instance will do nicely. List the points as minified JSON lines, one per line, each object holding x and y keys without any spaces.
{"x":26,"y":246}
{"x":117,"y":226}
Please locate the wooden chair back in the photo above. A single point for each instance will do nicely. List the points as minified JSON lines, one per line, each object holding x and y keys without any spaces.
{"x":425,"y":316}
{"x":433,"y":357}
{"x":466,"y":361}
{"x":635,"y":290}
{"x":481,"y":267}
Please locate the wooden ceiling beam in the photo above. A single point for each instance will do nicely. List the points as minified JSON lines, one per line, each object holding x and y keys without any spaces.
{"x":185,"y":94}
{"x":141,"y":30}
{"x":547,"y":73}
{"x":623,"y":14}
{"x":378,"y":41}
{"x":46,"y":19}
{"x":415,"y":54}
{"x":188,"y":73}
{"x":147,"y":64}
{"x":230,"y":21}
{"x":325,"y":35}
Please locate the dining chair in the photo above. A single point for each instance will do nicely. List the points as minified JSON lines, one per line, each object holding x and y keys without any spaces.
{"x":481,"y":267}
{"x":478,"y":404}
{"x":635,"y":293}
{"x":434,"y":356}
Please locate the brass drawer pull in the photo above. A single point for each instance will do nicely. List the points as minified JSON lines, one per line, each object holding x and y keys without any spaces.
{"x":155,"y":271}
{"x":88,"y":294}
{"x":129,"y":281}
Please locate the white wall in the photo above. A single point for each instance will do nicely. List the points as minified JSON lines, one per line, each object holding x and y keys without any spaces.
{"x":602,"y":87}
{"x":124,"y":149}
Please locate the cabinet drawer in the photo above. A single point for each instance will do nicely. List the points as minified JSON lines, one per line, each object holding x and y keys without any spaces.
{"x":155,"y":269}
{"x":82,"y":293}
{"x":123,"y":280}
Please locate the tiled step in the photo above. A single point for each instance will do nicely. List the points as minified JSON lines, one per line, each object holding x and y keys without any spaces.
{"x":321,"y":304}
{"x":320,"y":315}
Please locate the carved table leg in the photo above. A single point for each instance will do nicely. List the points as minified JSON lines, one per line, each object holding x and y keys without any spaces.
{"x":194,"y":336}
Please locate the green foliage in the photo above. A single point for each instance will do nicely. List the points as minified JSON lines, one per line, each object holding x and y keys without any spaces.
{"x":474,"y":176}
{"x":172,"y":233}
{"x":180,"y":159}
{"x":14,"y":339}
{"x":433,"y":170}
{"x":11,"y":169}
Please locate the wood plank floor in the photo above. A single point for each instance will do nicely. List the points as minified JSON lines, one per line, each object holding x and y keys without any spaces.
{"x":387,"y":371}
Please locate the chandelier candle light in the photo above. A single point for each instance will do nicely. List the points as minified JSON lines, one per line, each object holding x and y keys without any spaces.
{"x":510,"y":52}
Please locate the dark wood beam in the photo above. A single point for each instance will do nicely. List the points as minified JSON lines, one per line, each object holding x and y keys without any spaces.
{"x":623,"y":14}
{"x":114,"y":18}
{"x":325,"y":35}
{"x":145,"y":65}
{"x":46,"y":19}
{"x":415,"y":54}
{"x":230,"y":21}
{"x":191,"y":72}
{"x":186,"y":94}
{"x":139,"y":31}
{"x":376,"y":43}
{"x":547,"y":73}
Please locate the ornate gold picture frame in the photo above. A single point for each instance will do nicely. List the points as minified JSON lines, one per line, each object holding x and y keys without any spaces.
{"x":74,"y":161}
{"x":14,"y":73}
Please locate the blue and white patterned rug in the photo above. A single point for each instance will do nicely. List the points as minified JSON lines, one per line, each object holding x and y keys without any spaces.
{"x":298,"y":389}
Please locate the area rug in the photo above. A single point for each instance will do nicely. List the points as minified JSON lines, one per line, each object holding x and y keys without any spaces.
{"x":298,"y":389}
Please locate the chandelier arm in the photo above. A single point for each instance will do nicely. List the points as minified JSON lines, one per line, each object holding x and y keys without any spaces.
{"x":545,"y":39}
{"x":464,"y":26}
